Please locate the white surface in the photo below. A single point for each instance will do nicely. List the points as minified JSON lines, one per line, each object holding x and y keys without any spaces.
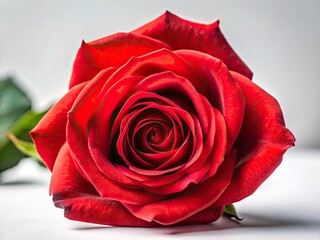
{"x":279,"y":40}
{"x":287,"y":206}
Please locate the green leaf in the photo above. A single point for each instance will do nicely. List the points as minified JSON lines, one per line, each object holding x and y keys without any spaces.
{"x":25,"y":147}
{"x":230,"y":211}
{"x":17,"y":118}
{"x":26,"y":123}
{"x":11,"y":154}
{"x":13,"y":104}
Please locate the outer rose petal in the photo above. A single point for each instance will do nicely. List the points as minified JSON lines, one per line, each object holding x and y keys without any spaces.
{"x":262,"y":141}
{"x":224,"y":90}
{"x":208,"y":215}
{"x":107,"y":212}
{"x":66,"y":182}
{"x":182,"y":34}
{"x":50,"y":133}
{"x":111,"y":51}
{"x":181,"y":207}
{"x":81,"y":201}
{"x":101,"y":211}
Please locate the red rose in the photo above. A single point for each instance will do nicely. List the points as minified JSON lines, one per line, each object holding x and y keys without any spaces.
{"x":160,"y":126}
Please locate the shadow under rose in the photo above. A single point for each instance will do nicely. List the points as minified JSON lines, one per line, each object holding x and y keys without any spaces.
{"x":253,"y":221}
{"x":20,"y":182}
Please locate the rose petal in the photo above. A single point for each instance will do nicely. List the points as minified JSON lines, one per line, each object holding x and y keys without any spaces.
{"x":115,"y":214}
{"x":169,"y":82}
{"x":106,"y":187}
{"x":153,"y":136}
{"x":182,"y":34}
{"x":125,"y":147}
{"x":66,"y":182}
{"x":98,"y":152}
{"x":262,"y":141}
{"x":208,"y":215}
{"x":153,"y":64}
{"x":162,"y":82}
{"x":171,"y":157}
{"x":101,"y":211}
{"x":49,"y":134}
{"x":223,"y":88}
{"x":106,"y":166}
{"x":206,"y":165}
{"x":86,"y":103}
{"x":131,"y":103}
{"x":220,"y":145}
{"x":178,"y":208}
{"x":111,"y":51}
{"x":115,"y":94}
{"x":81,"y":201}
{"x":156,"y":62}
{"x":166,"y":187}
{"x":127,"y":88}
{"x":166,"y":144}
{"x":78,"y":122}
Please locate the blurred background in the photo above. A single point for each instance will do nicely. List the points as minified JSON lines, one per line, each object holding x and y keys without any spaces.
{"x":278,"y":39}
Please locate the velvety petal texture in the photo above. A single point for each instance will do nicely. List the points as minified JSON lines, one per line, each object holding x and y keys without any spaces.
{"x":179,"y":33}
{"x":49,"y":135}
{"x":261,"y":143}
{"x":111,"y":51}
{"x":160,"y":126}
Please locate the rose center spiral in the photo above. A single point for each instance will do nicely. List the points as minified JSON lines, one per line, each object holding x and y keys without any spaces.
{"x":155,"y":134}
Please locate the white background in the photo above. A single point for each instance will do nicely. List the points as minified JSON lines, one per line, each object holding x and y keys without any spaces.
{"x":278,"y":39}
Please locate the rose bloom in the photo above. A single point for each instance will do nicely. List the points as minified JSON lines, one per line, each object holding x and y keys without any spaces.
{"x":160,"y":126}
